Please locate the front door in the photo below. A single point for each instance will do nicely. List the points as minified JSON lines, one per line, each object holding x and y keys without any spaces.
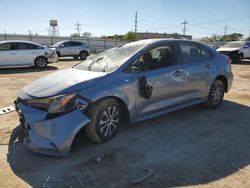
{"x":160,"y":80}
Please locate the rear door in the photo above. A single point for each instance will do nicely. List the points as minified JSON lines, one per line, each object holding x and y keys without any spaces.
{"x":8,"y":54}
{"x":27,"y":53}
{"x":197,"y":63}
{"x":76,"y":48}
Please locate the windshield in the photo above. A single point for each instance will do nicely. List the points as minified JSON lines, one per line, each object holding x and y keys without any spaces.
{"x":57,"y":44}
{"x":110,"y":60}
{"x":233,"y":44}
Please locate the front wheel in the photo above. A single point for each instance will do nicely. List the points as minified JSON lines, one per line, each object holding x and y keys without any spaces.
{"x":41,"y":62}
{"x":105,"y":116}
{"x":216,"y":94}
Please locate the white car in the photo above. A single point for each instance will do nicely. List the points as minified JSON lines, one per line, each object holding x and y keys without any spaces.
{"x":25,"y":53}
{"x":236,"y":51}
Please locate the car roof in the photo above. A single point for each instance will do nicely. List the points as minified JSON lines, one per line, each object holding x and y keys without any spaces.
{"x":20,"y":41}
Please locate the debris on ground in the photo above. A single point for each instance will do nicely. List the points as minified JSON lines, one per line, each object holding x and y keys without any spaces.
{"x":143,"y":176}
{"x":81,"y":176}
{"x":6,"y":110}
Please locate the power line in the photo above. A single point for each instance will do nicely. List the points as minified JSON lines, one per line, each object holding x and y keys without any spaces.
{"x":78,"y":28}
{"x":184,"y":26}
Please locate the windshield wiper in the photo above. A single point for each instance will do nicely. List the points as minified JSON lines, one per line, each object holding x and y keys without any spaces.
{"x":92,"y":63}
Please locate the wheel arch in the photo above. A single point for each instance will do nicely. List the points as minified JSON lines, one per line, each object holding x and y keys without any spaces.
{"x":123,"y":104}
{"x":34,"y":61}
{"x":224,"y":80}
{"x":83,"y":51}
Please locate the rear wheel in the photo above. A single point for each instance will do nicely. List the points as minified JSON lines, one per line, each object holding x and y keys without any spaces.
{"x":41,"y":62}
{"x":216,"y":94}
{"x":105,"y":118}
{"x":239,"y":58}
{"x":83,"y":55}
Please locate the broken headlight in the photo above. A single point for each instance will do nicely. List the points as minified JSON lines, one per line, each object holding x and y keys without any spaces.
{"x":58,"y":104}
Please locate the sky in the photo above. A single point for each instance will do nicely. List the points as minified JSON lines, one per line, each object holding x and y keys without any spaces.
{"x":110,"y":17}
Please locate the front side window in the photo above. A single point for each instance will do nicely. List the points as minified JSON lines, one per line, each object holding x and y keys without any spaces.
{"x":190,"y":53}
{"x":156,"y":58}
{"x":5,"y":46}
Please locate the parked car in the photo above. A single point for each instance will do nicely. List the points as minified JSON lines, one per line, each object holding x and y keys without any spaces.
{"x":133,"y":82}
{"x":25,"y":53}
{"x":72,"y":49}
{"x":236,"y":50}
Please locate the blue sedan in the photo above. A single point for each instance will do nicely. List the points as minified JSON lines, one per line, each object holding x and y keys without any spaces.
{"x":133,"y":82}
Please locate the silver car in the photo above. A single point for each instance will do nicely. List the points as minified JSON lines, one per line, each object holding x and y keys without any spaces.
{"x":25,"y":53}
{"x":72,"y":48}
{"x":134,"y":82}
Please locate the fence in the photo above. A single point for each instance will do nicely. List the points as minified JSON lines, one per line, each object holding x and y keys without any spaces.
{"x":97,"y":43}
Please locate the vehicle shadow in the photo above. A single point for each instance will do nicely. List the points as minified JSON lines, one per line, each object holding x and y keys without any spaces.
{"x":243,"y":62}
{"x":67,"y":59}
{"x":16,"y":70}
{"x":191,"y":146}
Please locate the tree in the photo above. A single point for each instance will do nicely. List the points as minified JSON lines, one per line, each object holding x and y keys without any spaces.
{"x":74,"y":35}
{"x":232,"y":37}
{"x":87,"y":34}
{"x":175,"y":35}
{"x":130,"y":36}
{"x":248,"y":38}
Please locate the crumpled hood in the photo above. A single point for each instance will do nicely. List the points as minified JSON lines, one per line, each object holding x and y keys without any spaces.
{"x":63,"y":81}
{"x":222,"y":49}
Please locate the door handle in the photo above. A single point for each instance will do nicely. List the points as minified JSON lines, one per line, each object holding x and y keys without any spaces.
{"x":207,"y":66}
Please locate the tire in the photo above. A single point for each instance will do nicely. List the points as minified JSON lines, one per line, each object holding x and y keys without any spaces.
{"x":103,"y":125}
{"x":41,"y":62}
{"x":239,"y":58}
{"x":83,"y":55}
{"x":216,"y":94}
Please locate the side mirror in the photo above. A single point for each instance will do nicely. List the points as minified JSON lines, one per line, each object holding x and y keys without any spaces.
{"x":61,"y":46}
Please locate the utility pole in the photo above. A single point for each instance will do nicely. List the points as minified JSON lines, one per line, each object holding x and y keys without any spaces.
{"x":30,"y":35}
{"x":135,"y":22}
{"x":225,"y":30}
{"x":184,"y":26}
{"x":78,"y":28}
{"x":5,"y":35}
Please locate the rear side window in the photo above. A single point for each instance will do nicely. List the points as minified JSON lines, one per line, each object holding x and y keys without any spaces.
{"x":5,"y":46}
{"x":22,"y":46}
{"x":33,"y":47}
{"x":190,"y":52}
{"x":76,"y":44}
{"x":206,"y":54}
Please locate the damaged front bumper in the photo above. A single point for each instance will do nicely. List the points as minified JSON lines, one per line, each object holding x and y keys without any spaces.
{"x":50,"y":136}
